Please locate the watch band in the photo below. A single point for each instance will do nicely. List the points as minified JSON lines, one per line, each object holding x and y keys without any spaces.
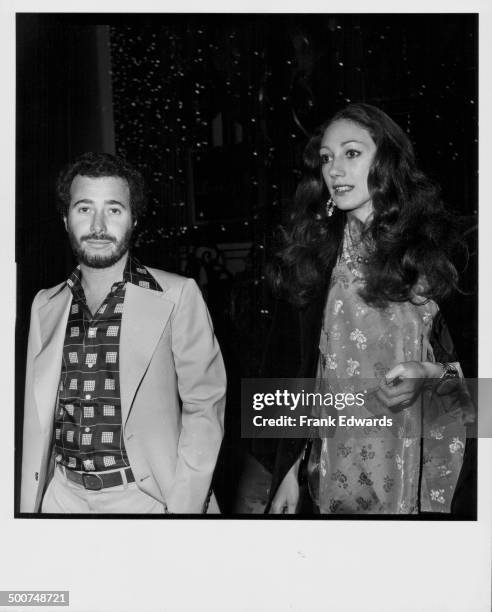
{"x":449,"y":371}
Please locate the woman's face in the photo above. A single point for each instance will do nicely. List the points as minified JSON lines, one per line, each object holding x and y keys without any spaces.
{"x":346,"y":155}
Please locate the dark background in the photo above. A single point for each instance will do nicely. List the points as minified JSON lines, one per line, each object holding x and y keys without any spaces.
{"x":215,"y":111}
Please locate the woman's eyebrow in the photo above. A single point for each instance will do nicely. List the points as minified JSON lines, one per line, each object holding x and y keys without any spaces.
{"x":345,"y":142}
{"x":352,"y":140}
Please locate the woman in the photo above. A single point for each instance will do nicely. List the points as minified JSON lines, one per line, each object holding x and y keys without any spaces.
{"x":366,"y":258}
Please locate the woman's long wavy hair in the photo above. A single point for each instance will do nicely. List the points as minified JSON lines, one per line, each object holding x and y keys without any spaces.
{"x":410,"y":232}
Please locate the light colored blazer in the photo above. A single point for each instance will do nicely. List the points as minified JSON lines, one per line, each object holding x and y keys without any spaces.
{"x":168,"y":353}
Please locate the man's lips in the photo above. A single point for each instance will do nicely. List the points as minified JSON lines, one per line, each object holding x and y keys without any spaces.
{"x":98,"y":242}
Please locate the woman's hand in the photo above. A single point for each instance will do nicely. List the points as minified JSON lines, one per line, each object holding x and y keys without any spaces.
{"x":404,"y":382}
{"x":287,"y":495}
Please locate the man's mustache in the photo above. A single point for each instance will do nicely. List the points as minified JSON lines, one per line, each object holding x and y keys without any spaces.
{"x":101,"y":236}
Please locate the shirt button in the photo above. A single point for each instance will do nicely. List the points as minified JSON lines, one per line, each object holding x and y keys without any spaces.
{"x":87,"y":429}
{"x":88,"y":396}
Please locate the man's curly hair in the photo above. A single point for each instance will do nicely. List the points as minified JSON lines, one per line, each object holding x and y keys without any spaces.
{"x":97,"y":165}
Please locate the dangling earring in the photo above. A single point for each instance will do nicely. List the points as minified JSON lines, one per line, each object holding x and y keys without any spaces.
{"x":330,"y":207}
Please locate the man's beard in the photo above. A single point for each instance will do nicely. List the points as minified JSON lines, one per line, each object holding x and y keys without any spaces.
{"x":100,"y":261}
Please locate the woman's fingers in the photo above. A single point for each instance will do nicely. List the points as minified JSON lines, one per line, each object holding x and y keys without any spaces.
{"x":287,"y":496}
{"x":406,"y":369}
{"x":402,"y":384}
{"x":407,"y":385}
{"x":397,"y":371}
{"x":401,"y":399}
{"x":283,"y":507}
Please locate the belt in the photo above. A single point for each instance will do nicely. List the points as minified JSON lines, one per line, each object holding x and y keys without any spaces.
{"x":101,"y":480}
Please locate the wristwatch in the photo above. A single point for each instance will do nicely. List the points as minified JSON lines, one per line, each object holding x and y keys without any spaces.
{"x":449,"y":371}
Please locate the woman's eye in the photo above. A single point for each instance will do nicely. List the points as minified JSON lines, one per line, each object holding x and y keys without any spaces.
{"x":352,"y":153}
{"x":324,"y":158}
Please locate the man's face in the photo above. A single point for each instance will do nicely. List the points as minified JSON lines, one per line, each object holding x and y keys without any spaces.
{"x":99,"y":220}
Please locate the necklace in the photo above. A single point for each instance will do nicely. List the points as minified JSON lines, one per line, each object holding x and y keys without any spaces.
{"x":353,"y":252}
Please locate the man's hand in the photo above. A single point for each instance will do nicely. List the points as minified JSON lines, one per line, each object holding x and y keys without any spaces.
{"x":287,"y":496}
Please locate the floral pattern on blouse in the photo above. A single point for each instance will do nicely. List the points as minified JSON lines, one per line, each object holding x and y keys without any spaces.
{"x":365,"y":470}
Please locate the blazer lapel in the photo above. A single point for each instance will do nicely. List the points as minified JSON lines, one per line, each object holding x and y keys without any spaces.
{"x":145,"y":315}
{"x":53,"y":318}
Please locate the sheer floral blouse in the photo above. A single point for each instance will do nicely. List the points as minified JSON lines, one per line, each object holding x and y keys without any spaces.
{"x":371,"y":470}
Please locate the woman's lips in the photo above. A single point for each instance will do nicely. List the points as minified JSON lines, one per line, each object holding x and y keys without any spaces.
{"x":342,"y":189}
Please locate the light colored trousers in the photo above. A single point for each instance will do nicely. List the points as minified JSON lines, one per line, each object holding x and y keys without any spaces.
{"x":66,"y":497}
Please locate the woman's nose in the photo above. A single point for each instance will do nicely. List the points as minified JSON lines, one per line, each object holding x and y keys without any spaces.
{"x":337,"y":168}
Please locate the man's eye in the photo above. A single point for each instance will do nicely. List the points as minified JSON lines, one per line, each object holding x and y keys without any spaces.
{"x":353,"y":153}
{"x":83,"y":209}
{"x":115,"y":211}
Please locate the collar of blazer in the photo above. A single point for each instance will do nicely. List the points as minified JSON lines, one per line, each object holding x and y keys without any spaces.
{"x":145,"y":316}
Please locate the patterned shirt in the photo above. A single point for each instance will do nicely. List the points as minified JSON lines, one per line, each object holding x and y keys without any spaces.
{"x":88,"y":425}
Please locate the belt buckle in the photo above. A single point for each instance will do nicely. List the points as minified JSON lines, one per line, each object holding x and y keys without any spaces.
{"x":92,"y":482}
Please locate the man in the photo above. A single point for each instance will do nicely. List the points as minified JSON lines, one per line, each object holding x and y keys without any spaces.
{"x":125,"y":383}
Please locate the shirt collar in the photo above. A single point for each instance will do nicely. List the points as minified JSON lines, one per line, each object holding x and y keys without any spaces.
{"x":137,"y":274}
{"x":134,"y":273}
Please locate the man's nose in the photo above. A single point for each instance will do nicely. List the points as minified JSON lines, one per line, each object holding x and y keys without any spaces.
{"x":98,"y":225}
